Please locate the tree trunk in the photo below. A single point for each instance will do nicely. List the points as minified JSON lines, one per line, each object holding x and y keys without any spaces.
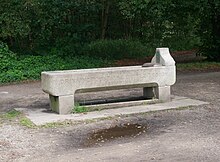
{"x":105,"y":13}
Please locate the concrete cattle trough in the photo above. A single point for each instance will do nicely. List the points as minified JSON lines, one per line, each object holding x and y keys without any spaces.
{"x":155,"y":78}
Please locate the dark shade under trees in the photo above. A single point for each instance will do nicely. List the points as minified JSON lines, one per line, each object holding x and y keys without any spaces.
{"x":70,"y":27}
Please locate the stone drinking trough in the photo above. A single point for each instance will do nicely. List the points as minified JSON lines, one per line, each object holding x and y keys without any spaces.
{"x":155,"y":78}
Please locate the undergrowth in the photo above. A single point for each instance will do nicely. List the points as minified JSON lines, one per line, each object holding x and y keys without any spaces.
{"x":14,"y":68}
{"x":198,"y":66}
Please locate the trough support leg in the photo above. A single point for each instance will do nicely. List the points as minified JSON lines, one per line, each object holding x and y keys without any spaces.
{"x":161,"y":93}
{"x":62,"y":104}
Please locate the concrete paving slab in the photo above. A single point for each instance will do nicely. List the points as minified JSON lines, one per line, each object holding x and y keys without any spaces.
{"x":42,"y":116}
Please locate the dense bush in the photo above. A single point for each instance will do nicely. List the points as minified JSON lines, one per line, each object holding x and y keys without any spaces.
{"x":209,"y":30}
{"x":116,"y":49}
{"x":67,"y":47}
{"x":7,"y":57}
{"x":30,"y":67}
{"x":211,"y":51}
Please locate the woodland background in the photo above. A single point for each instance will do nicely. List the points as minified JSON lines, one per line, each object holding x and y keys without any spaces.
{"x":37,"y":35}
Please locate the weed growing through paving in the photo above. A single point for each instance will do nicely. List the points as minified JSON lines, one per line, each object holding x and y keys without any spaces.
{"x":79,"y":109}
{"x":27,"y":122}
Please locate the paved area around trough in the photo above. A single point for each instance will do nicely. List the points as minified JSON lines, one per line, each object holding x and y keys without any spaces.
{"x":42,"y":116}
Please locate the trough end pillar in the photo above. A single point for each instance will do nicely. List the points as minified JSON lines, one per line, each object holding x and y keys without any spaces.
{"x":163,"y":57}
{"x":163,"y":93}
{"x":62,"y":104}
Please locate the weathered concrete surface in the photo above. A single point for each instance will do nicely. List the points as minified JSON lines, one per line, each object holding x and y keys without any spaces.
{"x":41,"y":116}
{"x":156,"y":81}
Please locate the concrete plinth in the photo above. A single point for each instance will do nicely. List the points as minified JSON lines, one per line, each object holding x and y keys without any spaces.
{"x":41,"y":116}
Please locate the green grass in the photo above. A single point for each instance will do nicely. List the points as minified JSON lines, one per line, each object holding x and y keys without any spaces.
{"x":12,"y":114}
{"x":27,"y":122}
{"x":58,"y":124}
{"x":79,"y":109}
{"x":198,"y":66}
{"x":17,"y":117}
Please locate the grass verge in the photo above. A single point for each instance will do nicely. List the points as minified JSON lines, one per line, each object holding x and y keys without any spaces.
{"x":198,"y":66}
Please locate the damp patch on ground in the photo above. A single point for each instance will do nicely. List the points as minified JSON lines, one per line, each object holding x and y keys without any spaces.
{"x":99,"y":137}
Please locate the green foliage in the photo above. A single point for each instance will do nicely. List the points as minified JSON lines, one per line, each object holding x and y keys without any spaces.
{"x":15,"y":69}
{"x":67,"y":47}
{"x":13,"y":19}
{"x":67,"y":25}
{"x":65,"y":28}
{"x":38,"y":24}
{"x":116,"y":49}
{"x":211,"y":50}
{"x":209,"y":30}
{"x":7,"y":57}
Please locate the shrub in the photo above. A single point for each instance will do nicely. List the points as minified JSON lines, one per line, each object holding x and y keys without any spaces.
{"x":116,"y":49}
{"x":212,"y":52}
{"x":30,"y":67}
{"x":67,"y":47}
{"x":7,"y":57}
{"x":15,"y":68}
